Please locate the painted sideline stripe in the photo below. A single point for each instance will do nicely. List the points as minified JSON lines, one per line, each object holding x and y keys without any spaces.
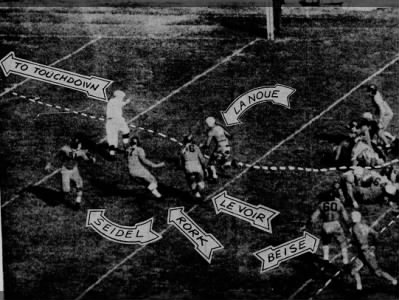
{"x":13,"y":87}
{"x":131,"y":37}
{"x":242,"y":173}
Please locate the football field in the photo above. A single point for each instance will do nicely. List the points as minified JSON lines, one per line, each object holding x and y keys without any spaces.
{"x":179,"y":66}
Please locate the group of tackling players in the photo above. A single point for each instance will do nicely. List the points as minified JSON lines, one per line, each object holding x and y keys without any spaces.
{"x":368,"y":142}
{"x":358,"y":186}
{"x":191,"y":158}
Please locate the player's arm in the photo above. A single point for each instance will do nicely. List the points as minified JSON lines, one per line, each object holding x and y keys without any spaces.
{"x":148,"y":162}
{"x":373,"y":233}
{"x":55,"y":160}
{"x":127,"y":101}
{"x":349,"y":189}
{"x":315,"y":216}
{"x":85,"y":155}
{"x":208,"y":140}
{"x":181,"y":160}
{"x":201,"y":158}
{"x":226,"y":133}
{"x":344,"y":214}
{"x":312,"y":220}
{"x":380,"y":104}
{"x":366,"y":132}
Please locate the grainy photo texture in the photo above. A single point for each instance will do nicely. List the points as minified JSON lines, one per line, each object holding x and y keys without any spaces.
{"x":199,"y":149}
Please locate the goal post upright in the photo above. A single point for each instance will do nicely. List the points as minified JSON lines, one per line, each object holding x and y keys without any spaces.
{"x":269,"y":20}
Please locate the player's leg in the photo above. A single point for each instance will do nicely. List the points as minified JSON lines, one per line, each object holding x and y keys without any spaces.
{"x":388,"y":277}
{"x":124,"y":128}
{"x":372,"y":263}
{"x":66,"y":181}
{"x":325,"y":240}
{"x":149,"y":178}
{"x":357,"y":266}
{"x":200,"y":183}
{"x":212,"y":165}
{"x":79,"y":185}
{"x":340,"y":236}
{"x":190,"y":177}
{"x":112,"y":137}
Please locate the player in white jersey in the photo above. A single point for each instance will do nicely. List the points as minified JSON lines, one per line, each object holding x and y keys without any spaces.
{"x":222,"y":152}
{"x":115,"y":122}
{"x":385,"y":113}
{"x":137,"y":163}
{"x":193,"y":162}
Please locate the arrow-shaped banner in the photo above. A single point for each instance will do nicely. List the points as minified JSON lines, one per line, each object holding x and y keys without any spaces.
{"x":258,"y":216}
{"x":271,"y":257}
{"x":277,"y":94}
{"x":92,"y":86}
{"x":205,"y":243}
{"x":141,"y":233}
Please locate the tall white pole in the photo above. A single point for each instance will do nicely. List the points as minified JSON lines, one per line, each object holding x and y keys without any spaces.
{"x":269,"y":20}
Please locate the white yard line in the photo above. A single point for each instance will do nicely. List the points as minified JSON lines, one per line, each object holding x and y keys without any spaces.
{"x":188,"y":83}
{"x":13,"y":198}
{"x":196,"y":78}
{"x":310,"y":280}
{"x":236,"y":52}
{"x":8,"y":90}
{"x":243,"y":172}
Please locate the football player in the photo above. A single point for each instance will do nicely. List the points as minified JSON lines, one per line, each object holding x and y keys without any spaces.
{"x":115,"y":122}
{"x":222,"y":153}
{"x":69,"y":155}
{"x":371,"y":126}
{"x":137,"y":163}
{"x":366,"y":253}
{"x":363,"y":184}
{"x":193,"y":162}
{"x":385,"y":113}
{"x":332,"y":212}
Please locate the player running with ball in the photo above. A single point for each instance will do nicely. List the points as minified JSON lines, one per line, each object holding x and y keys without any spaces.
{"x":115,"y":122}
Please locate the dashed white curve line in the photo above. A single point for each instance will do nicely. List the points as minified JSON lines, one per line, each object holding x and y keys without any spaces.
{"x":199,"y":76}
{"x":226,"y":59}
{"x":13,"y":87}
{"x":194,"y":79}
{"x":242,"y":173}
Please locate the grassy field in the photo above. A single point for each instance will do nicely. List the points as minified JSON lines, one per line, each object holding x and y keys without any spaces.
{"x":48,"y":251}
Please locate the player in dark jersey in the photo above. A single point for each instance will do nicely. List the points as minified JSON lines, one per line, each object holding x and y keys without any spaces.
{"x":69,"y":156}
{"x":366,"y":253}
{"x":331,"y":212}
{"x":193,"y":162}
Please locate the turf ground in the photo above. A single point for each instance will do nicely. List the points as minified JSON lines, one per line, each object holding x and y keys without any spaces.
{"x":48,"y":251}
